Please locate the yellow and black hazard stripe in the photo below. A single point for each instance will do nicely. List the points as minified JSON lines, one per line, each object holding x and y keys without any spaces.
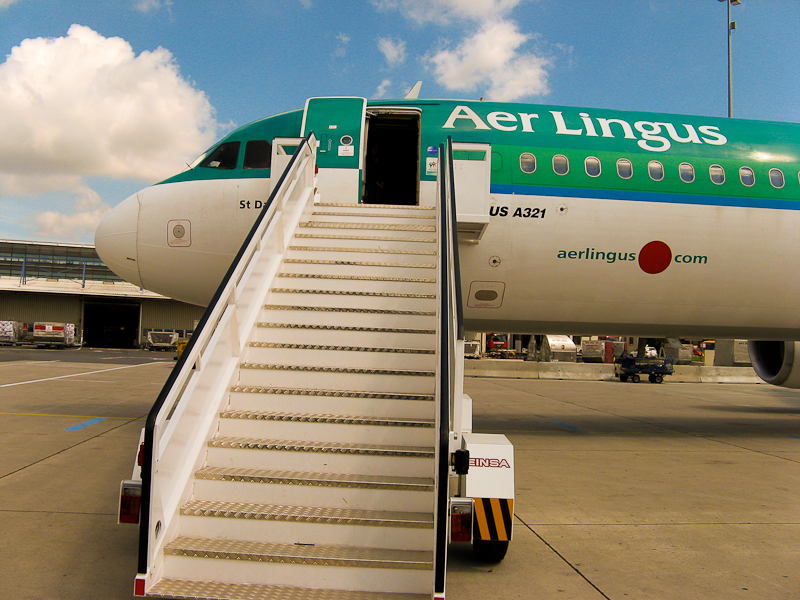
{"x":493,"y":518}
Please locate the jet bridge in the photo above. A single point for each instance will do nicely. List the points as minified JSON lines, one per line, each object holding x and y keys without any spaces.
{"x":313,"y":439}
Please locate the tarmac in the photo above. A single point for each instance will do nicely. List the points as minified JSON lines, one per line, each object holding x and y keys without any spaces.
{"x":644,"y":491}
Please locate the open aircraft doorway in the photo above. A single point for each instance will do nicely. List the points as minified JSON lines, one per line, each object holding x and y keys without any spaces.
{"x":391,"y":168}
{"x":111,"y":324}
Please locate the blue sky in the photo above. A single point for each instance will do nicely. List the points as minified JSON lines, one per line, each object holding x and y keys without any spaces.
{"x":102,"y":97}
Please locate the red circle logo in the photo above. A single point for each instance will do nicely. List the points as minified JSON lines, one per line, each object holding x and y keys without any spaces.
{"x":655,"y":257}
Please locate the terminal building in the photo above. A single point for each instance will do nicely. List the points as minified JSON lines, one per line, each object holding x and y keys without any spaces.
{"x":68,"y":283}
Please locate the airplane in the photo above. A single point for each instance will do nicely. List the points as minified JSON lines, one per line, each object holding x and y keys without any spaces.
{"x":592,"y":221}
{"x":567,"y":219}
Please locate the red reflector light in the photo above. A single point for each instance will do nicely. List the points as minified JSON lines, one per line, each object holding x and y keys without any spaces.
{"x":57,"y":328}
{"x":461,"y":523}
{"x":39,"y":327}
{"x":140,"y":457}
{"x":138,"y":586}
{"x":130,"y":499}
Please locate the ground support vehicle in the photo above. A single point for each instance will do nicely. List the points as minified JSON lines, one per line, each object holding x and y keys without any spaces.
{"x":629,"y":367}
{"x":162,"y":340}
{"x":58,"y":335}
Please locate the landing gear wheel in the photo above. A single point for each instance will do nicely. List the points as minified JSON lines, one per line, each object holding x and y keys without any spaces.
{"x":623,"y":378}
{"x":489,"y":551}
{"x":635,"y":378}
{"x":658,"y":379}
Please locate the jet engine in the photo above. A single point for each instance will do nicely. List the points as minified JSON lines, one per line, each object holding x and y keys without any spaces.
{"x":776,"y":362}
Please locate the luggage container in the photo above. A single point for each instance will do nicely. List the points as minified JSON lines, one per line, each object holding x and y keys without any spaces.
{"x":559,"y":348}
{"x":10,"y":332}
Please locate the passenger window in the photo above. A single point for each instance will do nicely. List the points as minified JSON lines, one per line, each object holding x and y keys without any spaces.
{"x":527,"y":162}
{"x":717,"y":174}
{"x":592,"y":166}
{"x":686,"y":172}
{"x":776,"y":178}
{"x":224,"y":157}
{"x":656,"y":170}
{"x":560,"y":164}
{"x":624,"y":168}
{"x":747,"y":176}
{"x":257,"y":154}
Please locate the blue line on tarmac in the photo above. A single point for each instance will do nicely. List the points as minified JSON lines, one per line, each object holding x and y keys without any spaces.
{"x":568,"y":426}
{"x":85,"y":424}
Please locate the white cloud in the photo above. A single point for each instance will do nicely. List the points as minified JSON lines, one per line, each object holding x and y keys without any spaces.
{"x":6,"y":3}
{"x":85,"y":105}
{"x":146,"y":6}
{"x":306,"y":3}
{"x":490,"y":60}
{"x":394,"y":52}
{"x":445,"y":11}
{"x":341,"y":50}
{"x":89,"y":211}
{"x":383,"y":88}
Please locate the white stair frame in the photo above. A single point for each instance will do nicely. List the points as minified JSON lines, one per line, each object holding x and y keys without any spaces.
{"x":180,"y":431}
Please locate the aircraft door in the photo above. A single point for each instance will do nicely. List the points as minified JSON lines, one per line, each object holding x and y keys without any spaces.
{"x":338,"y":124}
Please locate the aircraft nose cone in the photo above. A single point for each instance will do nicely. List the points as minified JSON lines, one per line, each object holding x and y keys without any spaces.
{"x":115,"y":240}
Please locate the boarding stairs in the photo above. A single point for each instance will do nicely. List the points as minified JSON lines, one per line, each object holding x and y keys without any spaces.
{"x":298,"y":444}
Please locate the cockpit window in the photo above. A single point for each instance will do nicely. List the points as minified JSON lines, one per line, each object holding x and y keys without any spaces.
{"x":257,"y":154}
{"x":224,"y":157}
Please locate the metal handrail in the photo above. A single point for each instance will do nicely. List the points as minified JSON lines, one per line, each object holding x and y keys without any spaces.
{"x":451,"y":329}
{"x":194,"y":358}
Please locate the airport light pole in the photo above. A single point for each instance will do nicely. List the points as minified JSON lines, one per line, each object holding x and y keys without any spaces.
{"x":731,"y":27}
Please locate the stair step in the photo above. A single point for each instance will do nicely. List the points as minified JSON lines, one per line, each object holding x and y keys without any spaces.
{"x":330,"y":393}
{"x":322,"y":447}
{"x":337,"y":480}
{"x":213,"y":590}
{"x":344,"y":556}
{"x":338,"y":356}
{"x":360,"y":263}
{"x":335,"y":490}
{"x":352,"y":299}
{"x":410,"y":251}
{"x":394,"y":239}
{"x":320,"y":377}
{"x":330,"y":419}
{"x":390,"y":207}
{"x":291,"y":346}
{"x":366,"y":403}
{"x":306,"y":514}
{"x":369,"y":226}
{"x":348,"y":317}
{"x":375,"y":337}
{"x":339,"y":214}
{"x":329,"y":427}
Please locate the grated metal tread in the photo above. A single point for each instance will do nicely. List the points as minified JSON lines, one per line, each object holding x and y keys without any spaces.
{"x":363,"y":250}
{"x":340,"y":480}
{"x":306,"y":514}
{"x":372,"y":311}
{"x":342,"y":556}
{"x":346,"y":328}
{"x":352,"y":370}
{"x":357,"y":277}
{"x":366,"y":206}
{"x":340,"y":348}
{"x":379,"y":226}
{"x":373,"y":238}
{"x":353,"y":293}
{"x":358,"y":263}
{"x":327,"y":418}
{"x":249,"y":389}
{"x":213,"y":590}
{"x":239,"y":443}
{"x":331,"y":213}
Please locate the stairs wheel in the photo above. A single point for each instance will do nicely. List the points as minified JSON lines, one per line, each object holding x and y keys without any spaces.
{"x":635,"y":378}
{"x":658,"y":379}
{"x":490,"y":551}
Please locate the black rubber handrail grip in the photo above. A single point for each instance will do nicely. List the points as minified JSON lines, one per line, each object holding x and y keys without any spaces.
{"x":454,"y":240}
{"x":147,"y":453}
